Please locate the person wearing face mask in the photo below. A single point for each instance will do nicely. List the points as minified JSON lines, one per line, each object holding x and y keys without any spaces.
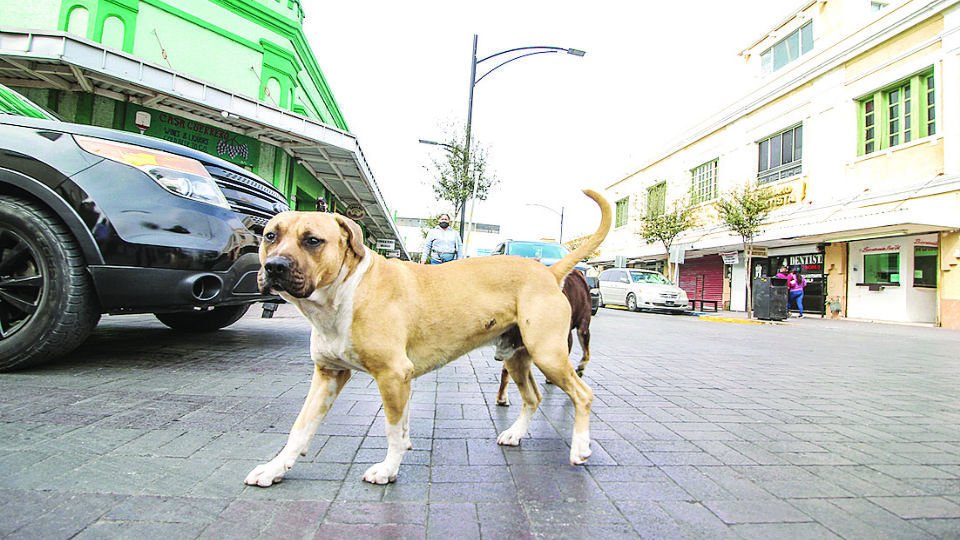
{"x":442,"y":243}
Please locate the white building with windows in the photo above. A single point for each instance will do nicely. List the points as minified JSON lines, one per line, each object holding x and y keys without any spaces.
{"x":854,"y":124}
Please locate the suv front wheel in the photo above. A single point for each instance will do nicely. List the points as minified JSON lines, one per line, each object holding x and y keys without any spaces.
{"x":47,"y":302}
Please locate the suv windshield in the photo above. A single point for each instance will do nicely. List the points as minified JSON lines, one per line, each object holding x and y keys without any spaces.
{"x":648,"y":277}
{"x":537,"y":250}
{"x":14,"y":104}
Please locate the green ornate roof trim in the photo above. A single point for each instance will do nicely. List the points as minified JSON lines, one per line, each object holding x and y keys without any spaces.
{"x":202,"y":23}
{"x":293,"y":31}
{"x":100,"y":11}
{"x":269,"y":20}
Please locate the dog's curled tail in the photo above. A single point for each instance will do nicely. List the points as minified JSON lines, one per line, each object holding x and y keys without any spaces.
{"x":563,"y":267}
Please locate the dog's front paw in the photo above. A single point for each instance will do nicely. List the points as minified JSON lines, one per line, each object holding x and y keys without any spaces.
{"x":510,"y":437}
{"x":381,"y":473}
{"x":580,"y":449}
{"x":266,"y":475}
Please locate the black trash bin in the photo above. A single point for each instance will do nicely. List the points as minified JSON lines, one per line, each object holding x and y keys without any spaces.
{"x":770,"y":298}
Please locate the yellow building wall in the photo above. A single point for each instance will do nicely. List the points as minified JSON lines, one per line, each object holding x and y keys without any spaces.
{"x":835,"y":269}
{"x":894,"y":166}
{"x":950,"y":280}
{"x":900,"y":44}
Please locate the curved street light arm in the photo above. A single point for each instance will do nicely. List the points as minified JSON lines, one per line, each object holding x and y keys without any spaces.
{"x":510,"y":60}
{"x":473,"y":83}
{"x":560,"y":213}
{"x":575,"y":52}
{"x":547,"y":207}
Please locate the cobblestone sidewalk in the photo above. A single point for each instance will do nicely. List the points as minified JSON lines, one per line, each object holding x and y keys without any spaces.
{"x":823,"y":429}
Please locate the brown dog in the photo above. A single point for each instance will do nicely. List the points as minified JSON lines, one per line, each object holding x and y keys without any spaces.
{"x":399,"y":320}
{"x":577,"y":291}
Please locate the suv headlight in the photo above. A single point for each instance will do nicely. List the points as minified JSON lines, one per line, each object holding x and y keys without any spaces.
{"x":179,"y":175}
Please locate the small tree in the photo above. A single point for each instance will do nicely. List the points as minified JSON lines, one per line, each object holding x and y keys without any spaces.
{"x":744,"y":211}
{"x":454,"y":182}
{"x":577,"y":242}
{"x":666,"y":227}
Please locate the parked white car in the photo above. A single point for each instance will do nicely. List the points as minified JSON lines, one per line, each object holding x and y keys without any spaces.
{"x":641,"y":289}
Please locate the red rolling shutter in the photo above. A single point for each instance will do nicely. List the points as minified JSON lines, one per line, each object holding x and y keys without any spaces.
{"x":703,"y":277}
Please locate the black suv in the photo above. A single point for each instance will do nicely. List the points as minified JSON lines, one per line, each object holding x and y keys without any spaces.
{"x":96,"y":221}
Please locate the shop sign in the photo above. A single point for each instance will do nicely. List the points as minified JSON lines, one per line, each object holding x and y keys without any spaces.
{"x":386,"y":244}
{"x":355,"y":212}
{"x":925,"y":243}
{"x":759,"y":252}
{"x":678,"y":253}
{"x":809,"y":263}
{"x":888,"y":247}
{"x":224,"y":144}
{"x":782,"y":196}
{"x":731,"y":258}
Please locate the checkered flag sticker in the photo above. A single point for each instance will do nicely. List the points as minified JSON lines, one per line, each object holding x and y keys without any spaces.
{"x":232,"y":150}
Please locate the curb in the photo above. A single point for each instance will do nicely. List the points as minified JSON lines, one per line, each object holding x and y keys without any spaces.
{"x":714,"y":318}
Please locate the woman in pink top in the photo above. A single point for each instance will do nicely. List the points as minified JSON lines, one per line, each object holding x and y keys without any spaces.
{"x":795,"y":285}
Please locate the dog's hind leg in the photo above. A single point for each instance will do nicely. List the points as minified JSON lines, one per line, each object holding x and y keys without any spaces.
{"x":583,"y":335}
{"x":502,"y":398}
{"x":557,"y":368}
{"x":324,"y":388}
{"x":519,"y":367}
{"x":395,"y":391}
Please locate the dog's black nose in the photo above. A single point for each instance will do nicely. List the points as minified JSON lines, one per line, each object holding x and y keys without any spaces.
{"x":277,"y":266}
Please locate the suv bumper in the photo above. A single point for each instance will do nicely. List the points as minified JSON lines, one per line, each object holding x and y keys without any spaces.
{"x":127,"y":289}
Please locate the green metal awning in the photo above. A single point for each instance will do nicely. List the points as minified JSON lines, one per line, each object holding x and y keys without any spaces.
{"x":66,"y":62}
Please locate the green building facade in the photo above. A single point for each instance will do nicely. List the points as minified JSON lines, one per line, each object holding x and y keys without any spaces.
{"x":234,"y":78}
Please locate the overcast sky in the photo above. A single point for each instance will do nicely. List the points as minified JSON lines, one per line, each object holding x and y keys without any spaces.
{"x":554,"y":124}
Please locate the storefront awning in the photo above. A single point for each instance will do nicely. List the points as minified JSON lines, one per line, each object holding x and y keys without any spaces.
{"x":923,"y":207}
{"x":66,"y":62}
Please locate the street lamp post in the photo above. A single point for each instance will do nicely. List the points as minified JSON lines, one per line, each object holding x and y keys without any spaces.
{"x":463,"y":211}
{"x":516,"y":54}
{"x":560,"y":213}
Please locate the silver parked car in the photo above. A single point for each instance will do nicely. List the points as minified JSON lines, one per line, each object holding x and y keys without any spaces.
{"x":641,"y":289}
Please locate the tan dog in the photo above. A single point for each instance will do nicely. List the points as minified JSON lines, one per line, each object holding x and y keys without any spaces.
{"x":577,"y":291}
{"x":399,"y":320}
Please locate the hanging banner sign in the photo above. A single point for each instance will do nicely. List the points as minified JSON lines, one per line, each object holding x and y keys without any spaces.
{"x":213,"y":140}
{"x":731,"y":258}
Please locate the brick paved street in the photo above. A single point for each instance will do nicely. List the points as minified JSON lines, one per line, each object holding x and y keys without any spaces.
{"x":701,"y":429}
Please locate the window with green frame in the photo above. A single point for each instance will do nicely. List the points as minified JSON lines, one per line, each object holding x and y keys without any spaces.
{"x":657,"y":199}
{"x":881,"y":268}
{"x":622,"y":211}
{"x":703,"y":186}
{"x":898,"y":114}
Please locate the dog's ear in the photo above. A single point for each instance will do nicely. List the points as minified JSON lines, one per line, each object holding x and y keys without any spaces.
{"x":353,"y":233}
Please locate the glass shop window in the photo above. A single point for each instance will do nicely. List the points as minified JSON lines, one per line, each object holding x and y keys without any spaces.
{"x":924,"y":266}
{"x":881,"y":268}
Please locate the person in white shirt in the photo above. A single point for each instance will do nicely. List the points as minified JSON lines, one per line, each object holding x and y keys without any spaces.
{"x":442,"y":243}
